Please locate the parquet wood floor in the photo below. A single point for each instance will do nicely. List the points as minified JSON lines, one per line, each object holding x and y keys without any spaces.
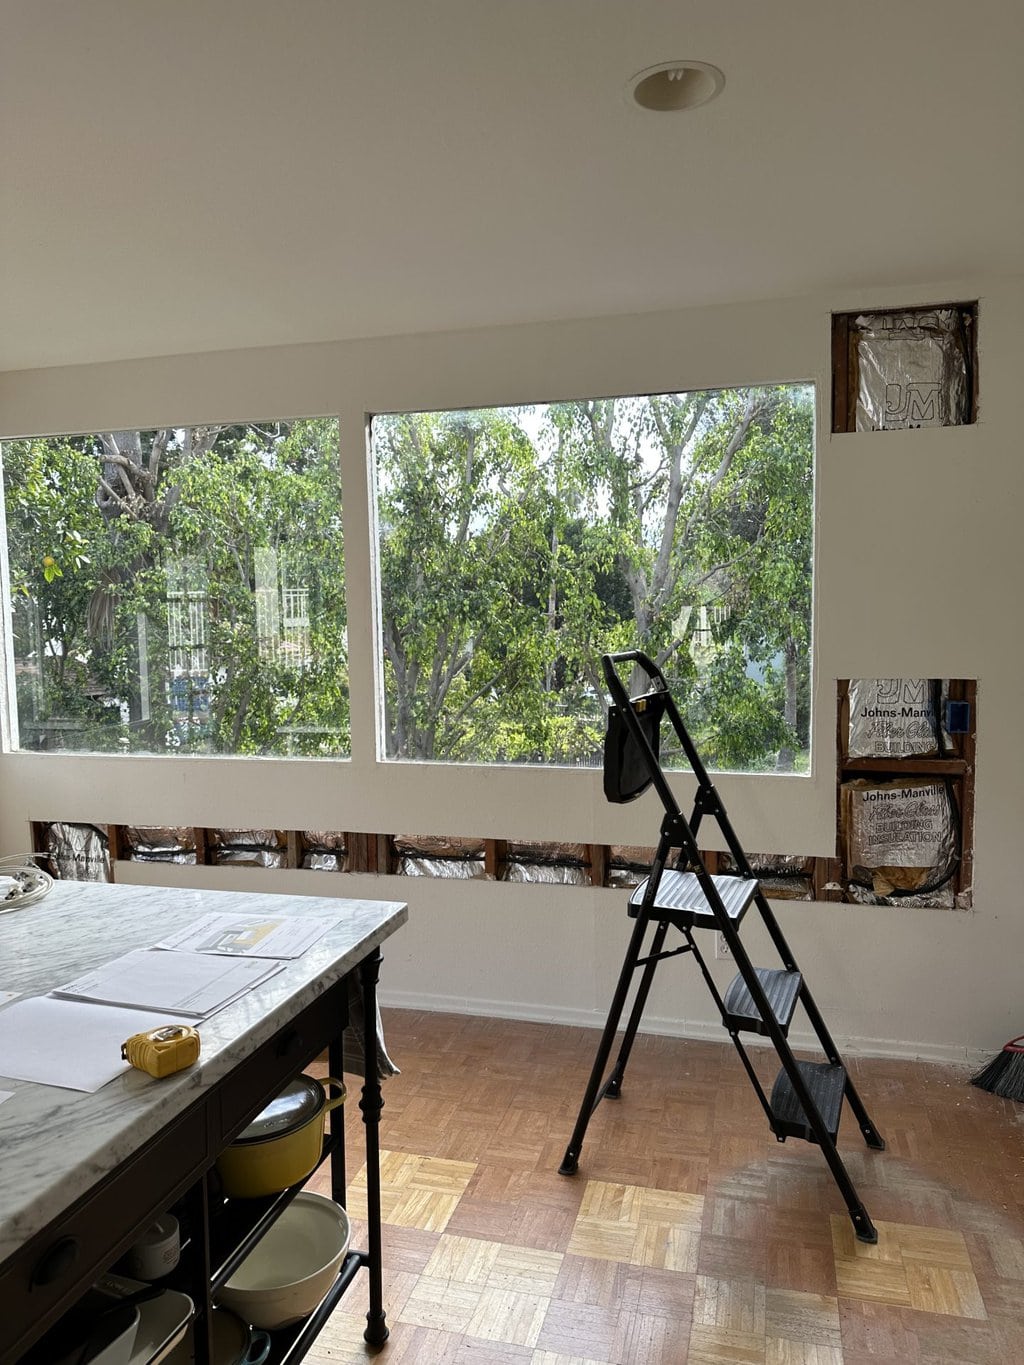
{"x":689,"y":1233}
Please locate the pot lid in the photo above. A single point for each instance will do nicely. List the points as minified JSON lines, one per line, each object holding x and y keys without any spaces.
{"x":301,"y":1100}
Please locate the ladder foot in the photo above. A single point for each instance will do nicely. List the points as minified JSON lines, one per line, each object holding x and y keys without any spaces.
{"x":874,"y":1140}
{"x":613,"y":1090}
{"x":570,"y":1164}
{"x":864,"y":1228}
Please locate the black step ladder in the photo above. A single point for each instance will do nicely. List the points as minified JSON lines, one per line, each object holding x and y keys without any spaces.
{"x":807,"y":1097}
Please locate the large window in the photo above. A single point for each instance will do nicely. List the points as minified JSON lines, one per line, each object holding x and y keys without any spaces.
{"x":180,"y":590}
{"x":516,"y":545}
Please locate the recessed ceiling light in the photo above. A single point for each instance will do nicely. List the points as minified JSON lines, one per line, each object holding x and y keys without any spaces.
{"x":675,"y":85}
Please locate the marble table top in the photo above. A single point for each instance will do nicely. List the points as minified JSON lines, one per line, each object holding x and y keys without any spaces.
{"x":56,"y":1144}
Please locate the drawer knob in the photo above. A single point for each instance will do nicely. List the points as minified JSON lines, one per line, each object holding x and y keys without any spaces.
{"x":56,"y":1262}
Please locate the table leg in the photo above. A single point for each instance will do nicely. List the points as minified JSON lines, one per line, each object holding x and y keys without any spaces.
{"x":336,"y":1125}
{"x":371,"y":1104}
{"x":195,"y":1209}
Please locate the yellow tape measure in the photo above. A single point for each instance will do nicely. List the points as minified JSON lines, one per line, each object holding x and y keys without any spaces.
{"x":162,"y":1051}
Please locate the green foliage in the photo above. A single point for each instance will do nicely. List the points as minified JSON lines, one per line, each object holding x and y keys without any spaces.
{"x":180,"y":589}
{"x":517,"y":546}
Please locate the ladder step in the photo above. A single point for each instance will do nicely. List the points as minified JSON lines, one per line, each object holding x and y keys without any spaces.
{"x":680,"y":895}
{"x":781,"y":989}
{"x":825,"y":1084}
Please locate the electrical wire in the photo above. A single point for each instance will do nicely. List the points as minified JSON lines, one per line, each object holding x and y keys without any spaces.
{"x":33,"y":881}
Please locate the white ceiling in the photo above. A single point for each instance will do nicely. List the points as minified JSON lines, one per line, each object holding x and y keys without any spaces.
{"x":190,"y":175}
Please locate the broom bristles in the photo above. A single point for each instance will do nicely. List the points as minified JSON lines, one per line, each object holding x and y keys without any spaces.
{"x":1004,"y":1076}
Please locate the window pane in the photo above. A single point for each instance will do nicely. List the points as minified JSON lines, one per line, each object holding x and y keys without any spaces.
{"x":516,"y":545}
{"x":180,"y":590}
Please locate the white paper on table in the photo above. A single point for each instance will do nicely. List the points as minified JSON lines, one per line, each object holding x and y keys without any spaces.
{"x":68,"y":1043}
{"x":241,"y":936}
{"x":195,"y":984}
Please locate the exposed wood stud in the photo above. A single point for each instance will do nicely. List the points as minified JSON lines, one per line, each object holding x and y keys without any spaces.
{"x":825,"y":878}
{"x":598,"y":854}
{"x":387,"y":858}
{"x":841,"y":372}
{"x":495,"y":857}
{"x":295,"y":847}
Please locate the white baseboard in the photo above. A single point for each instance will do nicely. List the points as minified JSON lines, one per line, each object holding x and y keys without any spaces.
{"x":704,"y":1030}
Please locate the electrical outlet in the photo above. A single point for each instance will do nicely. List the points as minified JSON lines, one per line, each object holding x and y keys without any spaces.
{"x":722,"y":948}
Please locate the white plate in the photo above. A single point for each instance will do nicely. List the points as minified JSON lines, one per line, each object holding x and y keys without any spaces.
{"x":163,"y":1322}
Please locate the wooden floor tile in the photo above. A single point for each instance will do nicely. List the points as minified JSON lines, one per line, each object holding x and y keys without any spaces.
{"x":780,"y":1351}
{"x":725,"y":1346}
{"x":443,"y":1304}
{"x":731,"y":1257}
{"x":465,"y":1259}
{"x":879,"y":1281}
{"x":582,"y":1329}
{"x":659,"y":1228}
{"x":525,"y":1270}
{"x":476,"y":1351}
{"x":555,"y":1358}
{"x":915,"y":1267}
{"x":794,"y":1316}
{"x":934,"y":1289}
{"x":650,"y":1339}
{"x":505,"y":1315}
{"x":738,"y":1305}
{"x":583,"y":1279}
{"x":415,"y":1191}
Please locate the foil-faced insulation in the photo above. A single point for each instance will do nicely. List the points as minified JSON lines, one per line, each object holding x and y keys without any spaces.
{"x":247,"y":847}
{"x":628,"y":865}
{"x":324,"y":850}
{"x":550,"y":863}
{"x":899,"y":836}
{"x":550,"y":874}
{"x":783,"y":876}
{"x":438,"y":846}
{"x":894,"y":717}
{"x":942,"y":898}
{"x":77,"y":853}
{"x":460,"y":868}
{"x":323,"y":862}
{"x":159,"y":844}
{"x":913,"y":369}
{"x":439,"y":855}
{"x":787,"y":888}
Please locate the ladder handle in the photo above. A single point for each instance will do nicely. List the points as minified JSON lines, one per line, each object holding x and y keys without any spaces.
{"x":631,"y":656}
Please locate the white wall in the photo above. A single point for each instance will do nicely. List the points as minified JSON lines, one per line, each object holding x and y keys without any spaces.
{"x":919,"y":559}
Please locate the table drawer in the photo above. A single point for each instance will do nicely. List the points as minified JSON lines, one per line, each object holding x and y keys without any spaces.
{"x":255,"y":1082}
{"x":49,"y":1273}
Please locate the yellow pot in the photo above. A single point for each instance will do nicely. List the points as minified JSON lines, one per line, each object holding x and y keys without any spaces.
{"x":282,"y":1145}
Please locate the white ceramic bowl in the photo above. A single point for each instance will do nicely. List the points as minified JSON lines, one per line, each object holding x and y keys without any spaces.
{"x":292,"y":1266}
